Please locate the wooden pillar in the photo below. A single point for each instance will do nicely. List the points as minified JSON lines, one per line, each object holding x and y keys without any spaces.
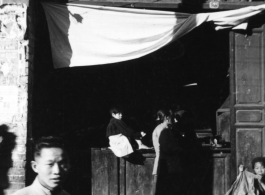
{"x":247,"y":97}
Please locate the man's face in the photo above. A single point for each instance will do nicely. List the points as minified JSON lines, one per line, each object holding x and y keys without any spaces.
{"x":52,"y":167}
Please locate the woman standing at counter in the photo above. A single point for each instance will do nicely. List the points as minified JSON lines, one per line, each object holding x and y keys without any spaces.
{"x":167,"y":170}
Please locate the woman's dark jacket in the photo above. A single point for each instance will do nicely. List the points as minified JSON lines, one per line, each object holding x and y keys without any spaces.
{"x":116,"y":127}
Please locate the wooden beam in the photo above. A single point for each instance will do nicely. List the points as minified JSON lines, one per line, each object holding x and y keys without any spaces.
{"x":132,"y":4}
{"x":232,"y":5}
{"x":166,"y":4}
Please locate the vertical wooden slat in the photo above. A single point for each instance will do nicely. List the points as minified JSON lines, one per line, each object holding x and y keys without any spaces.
{"x":104,"y":172}
{"x":139,"y":178}
{"x":232,"y":103}
{"x":221,"y":173}
{"x":122,"y":174}
{"x":249,"y":146}
{"x":227,"y":172}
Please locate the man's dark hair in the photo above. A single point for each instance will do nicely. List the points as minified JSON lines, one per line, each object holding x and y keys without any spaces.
{"x":258,"y":159}
{"x":115,"y":110}
{"x":48,"y":142}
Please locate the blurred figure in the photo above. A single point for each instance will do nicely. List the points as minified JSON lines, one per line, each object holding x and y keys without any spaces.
{"x":7,"y":144}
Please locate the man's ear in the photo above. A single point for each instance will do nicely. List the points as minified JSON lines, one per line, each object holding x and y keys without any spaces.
{"x":34,"y":166}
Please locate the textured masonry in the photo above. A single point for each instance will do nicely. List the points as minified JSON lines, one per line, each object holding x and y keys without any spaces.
{"x":16,"y":58}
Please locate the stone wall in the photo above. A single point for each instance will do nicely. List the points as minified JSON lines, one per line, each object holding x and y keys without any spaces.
{"x":16,"y":56}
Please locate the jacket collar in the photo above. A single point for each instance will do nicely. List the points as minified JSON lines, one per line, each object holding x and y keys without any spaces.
{"x":37,"y":185}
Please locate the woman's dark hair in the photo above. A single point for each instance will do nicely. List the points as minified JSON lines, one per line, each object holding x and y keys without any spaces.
{"x":258,"y":159}
{"x":48,"y":142}
{"x":162,"y":114}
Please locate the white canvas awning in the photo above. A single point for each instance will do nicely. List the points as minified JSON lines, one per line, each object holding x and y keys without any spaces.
{"x":84,"y":35}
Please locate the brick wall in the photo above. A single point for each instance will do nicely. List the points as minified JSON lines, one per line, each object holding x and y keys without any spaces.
{"x":16,"y":58}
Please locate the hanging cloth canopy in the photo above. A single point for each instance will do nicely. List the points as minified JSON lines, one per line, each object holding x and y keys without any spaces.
{"x":85,"y":35}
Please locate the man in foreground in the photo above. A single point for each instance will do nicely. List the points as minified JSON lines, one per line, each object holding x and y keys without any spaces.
{"x":51,"y":163}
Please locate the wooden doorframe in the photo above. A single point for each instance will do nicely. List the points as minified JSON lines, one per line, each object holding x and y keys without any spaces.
{"x":247,"y":74}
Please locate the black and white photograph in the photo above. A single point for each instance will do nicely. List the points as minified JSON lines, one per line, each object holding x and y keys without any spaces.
{"x":132,"y":97}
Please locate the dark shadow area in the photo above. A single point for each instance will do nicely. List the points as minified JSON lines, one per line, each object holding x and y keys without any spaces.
{"x":79,"y":178}
{"x":170,"y":172}
{"x":195,"y":175}
{"x":185,"y":167}
{"x":7,"y":144}
{"x":78,"y":17}
{"x":255,"y":22}
{"x":135,"y":158}
{"x":192,"y":6}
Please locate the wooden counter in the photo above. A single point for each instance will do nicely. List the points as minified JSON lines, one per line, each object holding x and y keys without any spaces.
{"x":115,"y":176}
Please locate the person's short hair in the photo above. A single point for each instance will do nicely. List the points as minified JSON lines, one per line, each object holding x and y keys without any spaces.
{"x":256,"y":160}
{"x":48,"y":142}
{"x":115,"y":110}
